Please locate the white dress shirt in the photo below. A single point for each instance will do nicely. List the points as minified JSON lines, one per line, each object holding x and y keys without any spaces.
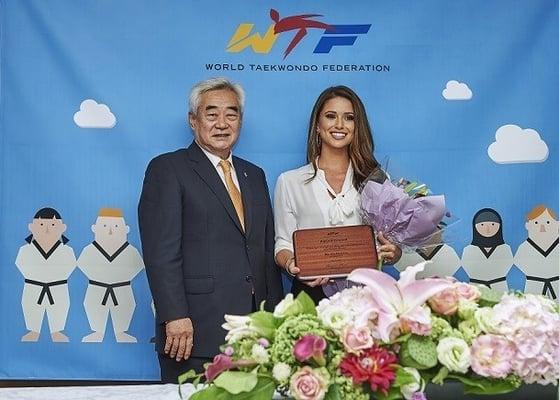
{"x":302,"y":204}
{"x":215,"y":162}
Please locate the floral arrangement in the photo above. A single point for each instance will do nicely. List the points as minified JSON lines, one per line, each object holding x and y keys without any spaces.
{"x":404,"y":211}
{"x":386,"y":340}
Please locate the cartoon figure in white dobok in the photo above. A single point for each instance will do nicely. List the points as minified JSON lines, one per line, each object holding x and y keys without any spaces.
{"x":538,"y":256}
{"x":443,"y":258}
{"x":488,"y":259}
{"x":110,"y":263}
{"x":46,"y":262}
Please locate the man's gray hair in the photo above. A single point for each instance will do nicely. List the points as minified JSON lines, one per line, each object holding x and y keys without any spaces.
{"x":215,"y":84}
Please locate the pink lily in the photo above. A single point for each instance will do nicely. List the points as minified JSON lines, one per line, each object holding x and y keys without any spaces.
{"x":399,"y":300}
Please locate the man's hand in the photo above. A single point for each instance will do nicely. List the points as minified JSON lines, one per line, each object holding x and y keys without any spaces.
{"x":180,"y":335}
{"x":388,"y":252}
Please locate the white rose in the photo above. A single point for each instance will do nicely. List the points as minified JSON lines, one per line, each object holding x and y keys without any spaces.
{"x":281,"y":372}
{"x":417,"y":386}
{"x":283,"y":306}
{"x":335,"y":318}
{"x":486,"y":320}
{"x":454,"y":354}
{"x":259,"y":354}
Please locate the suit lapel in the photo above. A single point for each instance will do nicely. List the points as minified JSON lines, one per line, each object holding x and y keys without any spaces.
{"x":246,"y":192}
{"x":204,"y":168}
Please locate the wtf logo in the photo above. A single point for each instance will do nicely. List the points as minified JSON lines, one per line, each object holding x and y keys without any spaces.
{"x":333,"y":35}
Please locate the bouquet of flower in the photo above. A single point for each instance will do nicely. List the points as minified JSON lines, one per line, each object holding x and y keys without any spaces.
{"x":404,"y":211}
{"x":386,"y":340}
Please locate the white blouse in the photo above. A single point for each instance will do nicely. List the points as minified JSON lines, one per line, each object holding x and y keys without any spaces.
{"x":303,"y":204}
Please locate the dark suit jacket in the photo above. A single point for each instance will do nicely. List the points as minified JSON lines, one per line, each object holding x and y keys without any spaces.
{"x":199,"y":262}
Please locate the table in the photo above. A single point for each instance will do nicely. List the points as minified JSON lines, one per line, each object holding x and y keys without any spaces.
{"x":170,"y":392}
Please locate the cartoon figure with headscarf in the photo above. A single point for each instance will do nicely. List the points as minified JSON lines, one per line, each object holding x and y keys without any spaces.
{"x":110,"y":263}
{"x":46,"y":262}
{"x":488,"y":258}
{"x":538,"y":256}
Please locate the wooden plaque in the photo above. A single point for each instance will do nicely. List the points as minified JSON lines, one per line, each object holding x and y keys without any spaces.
{"x":334,"y":252}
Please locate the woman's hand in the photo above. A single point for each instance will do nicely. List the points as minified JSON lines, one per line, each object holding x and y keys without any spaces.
{"x":317,"y":282}
{"x":293,"y":270}
{"x":388,"y":252}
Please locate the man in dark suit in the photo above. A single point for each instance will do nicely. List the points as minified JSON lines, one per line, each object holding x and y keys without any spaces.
{"x":207,"y":233}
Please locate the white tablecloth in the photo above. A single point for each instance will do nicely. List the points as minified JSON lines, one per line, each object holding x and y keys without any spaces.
{"x":123,"y":392}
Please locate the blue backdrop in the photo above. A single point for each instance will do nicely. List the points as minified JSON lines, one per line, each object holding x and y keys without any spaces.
{"x":140,"y":58}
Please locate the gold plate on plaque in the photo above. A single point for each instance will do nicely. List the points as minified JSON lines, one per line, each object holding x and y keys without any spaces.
{"x":334,"y":252}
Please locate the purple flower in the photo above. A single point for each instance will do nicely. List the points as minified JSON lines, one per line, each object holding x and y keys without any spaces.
{"x":310,"y":347}
{"x":229,"y":351}
{"x":264,"y":342}
{"x":418,"y":396}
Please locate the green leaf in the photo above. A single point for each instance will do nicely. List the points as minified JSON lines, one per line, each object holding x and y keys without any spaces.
{"x":428,"y":375}
{"x":211,"y":393}
{"x":333,"y":393}
{"x":392,"y":394}
{"x":188,"y":375}
{"x":489,"y":297}
{"x":403,"y":378}
{"x":264,"y":390}
{"x":306,"y":303}
{"x":478,"y":385}
{"x":401,"y":339}
{"x":265,"y":323}
{"x":441,"y":376}
{"x":236,"y":382}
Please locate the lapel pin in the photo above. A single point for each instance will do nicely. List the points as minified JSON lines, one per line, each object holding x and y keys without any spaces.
{"x":246,"y":176}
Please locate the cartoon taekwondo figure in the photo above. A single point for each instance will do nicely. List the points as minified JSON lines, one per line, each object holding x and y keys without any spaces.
{"x":444,"y":260}
{"x":538,"y":256}
{"x":46,"y":262}
{"x":488,"y":259}
{"x":110,"y":263}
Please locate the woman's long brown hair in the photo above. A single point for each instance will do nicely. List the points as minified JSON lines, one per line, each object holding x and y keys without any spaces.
{"x":360,"y":149}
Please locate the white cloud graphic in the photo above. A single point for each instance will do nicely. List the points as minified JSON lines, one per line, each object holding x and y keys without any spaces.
{"x":457,"y":91}
{"x":94,"y":115}
{"x":516,"y":145}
